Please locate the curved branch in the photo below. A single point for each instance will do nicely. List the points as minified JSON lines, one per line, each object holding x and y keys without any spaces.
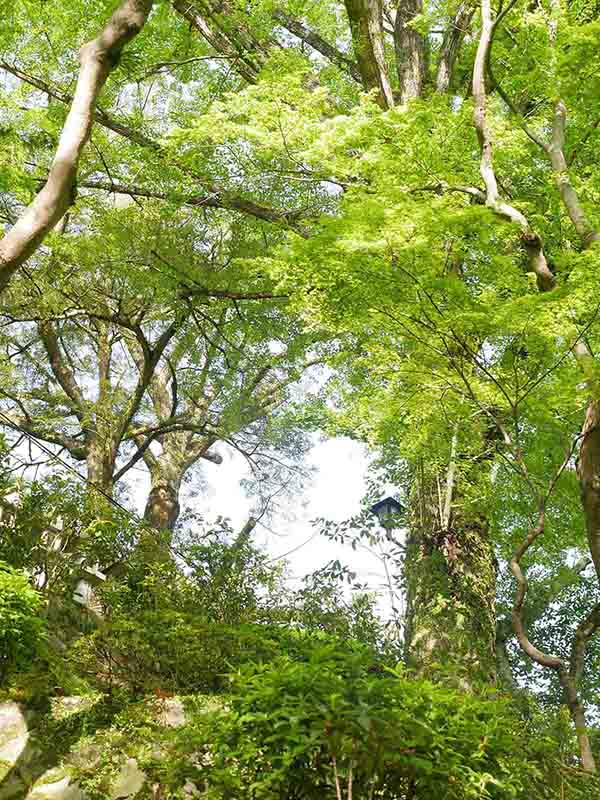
{"x":97,"y":58}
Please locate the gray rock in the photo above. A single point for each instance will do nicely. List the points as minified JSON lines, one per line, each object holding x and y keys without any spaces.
{"x":62,"y":789}
{"x":13,"y":732}
{"x":12,"y":748}
{"x":191,"y":790}
{"x":172,"y":713}
{"x":129,"y":781}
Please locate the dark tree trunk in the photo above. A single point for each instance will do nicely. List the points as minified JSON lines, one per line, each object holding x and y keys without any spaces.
{"x":451,"y":44}
{"x":588,"y":472}
{"x":366,"y":24}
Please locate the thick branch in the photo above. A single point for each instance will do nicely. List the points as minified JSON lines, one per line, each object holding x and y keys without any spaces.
{"x":74,"y":446}
{"x":240,"y":58}
{"x":61,"y":370}
{"x":566,"y":674}
{"x":531,"y":240}
{"x":97,"y":58}
{"x":212,"y":197}
{"x":215,"y":199}
{"x":569,"y":197}
{"x":317,"y":42}
{"x":585,"y":630}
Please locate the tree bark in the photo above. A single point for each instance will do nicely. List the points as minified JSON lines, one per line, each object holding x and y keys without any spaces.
{"x":451,"y":44}
{"x":97,"y":58}
{"x":242,"y":61}
{"x":588,"y":472}
{"x":162,"y":507}
{"x":299,"y":29}
{"x":366,"y":24}
{"x":410,"y":49}
{"x":451,"y":586}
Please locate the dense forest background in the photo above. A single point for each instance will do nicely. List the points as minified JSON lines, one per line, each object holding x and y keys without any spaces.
{"x":232,"y":227}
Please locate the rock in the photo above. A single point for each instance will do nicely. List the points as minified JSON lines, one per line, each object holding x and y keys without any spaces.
{"x":191,"y":790}
{"x":172,"y":714}
{"x":13,"y":732}
{"x":63,"y":707}
{"x":62,"y":789}
{"x":85,"y":755}
{"x":13,"y":748}
{"x":129,"y":781}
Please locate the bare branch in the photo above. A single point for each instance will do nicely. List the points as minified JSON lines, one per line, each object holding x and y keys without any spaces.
{"x":97,"y":58}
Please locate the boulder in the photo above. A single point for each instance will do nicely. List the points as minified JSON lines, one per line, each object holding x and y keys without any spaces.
{"x":129,"y":781}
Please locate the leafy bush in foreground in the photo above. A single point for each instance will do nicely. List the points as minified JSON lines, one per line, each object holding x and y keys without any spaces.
{"x":331,"y":727}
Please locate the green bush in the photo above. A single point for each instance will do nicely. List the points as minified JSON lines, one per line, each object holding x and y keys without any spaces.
{"x":22,"y":630}
{"x":177,"y":652}
{"x":330,"y":727}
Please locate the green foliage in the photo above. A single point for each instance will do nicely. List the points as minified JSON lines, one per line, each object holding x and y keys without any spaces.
{"x":273,"y":216}
{"x":291,"y":728}
{"x":22,"y":629}
{"x":54,"y":529}
{"x":185,"y":633}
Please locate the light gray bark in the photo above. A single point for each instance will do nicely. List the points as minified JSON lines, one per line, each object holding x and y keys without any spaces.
{"x":97,"y":58}
{"x":410,"y":49}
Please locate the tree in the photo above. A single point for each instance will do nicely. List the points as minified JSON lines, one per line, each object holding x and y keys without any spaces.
{"x":437,"y":218}
{"x":213,"y":364}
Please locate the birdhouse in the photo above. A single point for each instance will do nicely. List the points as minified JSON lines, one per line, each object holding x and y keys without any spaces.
{"x":387,"y":510}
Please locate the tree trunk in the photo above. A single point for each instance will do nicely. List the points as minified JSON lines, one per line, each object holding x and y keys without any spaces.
{"x":451,"y":44}
{"x":409,"y":46}
{"x":162,"y":507}
{"x":100,"y":462}
{"x":588,"y":472}
{"x":450,"y":572}
{"x":366,"y":24}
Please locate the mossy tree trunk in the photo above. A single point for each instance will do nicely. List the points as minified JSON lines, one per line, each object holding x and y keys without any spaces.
{"x":450,"y":574}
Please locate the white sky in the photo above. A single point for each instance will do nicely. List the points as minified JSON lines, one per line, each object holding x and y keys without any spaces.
{"x":334,"y":492}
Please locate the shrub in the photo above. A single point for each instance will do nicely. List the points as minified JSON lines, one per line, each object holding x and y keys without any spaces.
{"x":330,"y":727}
{"x":22,"y":630}
{"x":178,"y":652}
